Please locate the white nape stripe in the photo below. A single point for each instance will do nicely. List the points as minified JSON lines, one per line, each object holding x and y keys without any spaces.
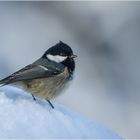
{"x":56,"y":58}
{"x":44,"y":68}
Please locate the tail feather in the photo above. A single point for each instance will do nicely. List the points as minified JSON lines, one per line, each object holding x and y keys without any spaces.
{"x":1,"y":85}
{"x":5,"y":81}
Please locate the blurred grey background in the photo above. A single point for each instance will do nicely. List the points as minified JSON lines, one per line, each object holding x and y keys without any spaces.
{"x":106,"y":38}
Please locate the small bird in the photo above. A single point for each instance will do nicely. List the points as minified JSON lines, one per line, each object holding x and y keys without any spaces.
{"x":46,"y":77}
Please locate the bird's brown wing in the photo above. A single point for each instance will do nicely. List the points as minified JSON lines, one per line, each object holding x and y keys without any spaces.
{"x":30,"y":72}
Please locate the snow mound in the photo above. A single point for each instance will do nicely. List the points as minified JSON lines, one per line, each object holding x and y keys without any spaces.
{"x":21,"y":117}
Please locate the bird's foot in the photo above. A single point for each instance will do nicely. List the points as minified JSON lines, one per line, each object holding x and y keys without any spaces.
{"x":33,"y":97}
{"x":50,"y":103}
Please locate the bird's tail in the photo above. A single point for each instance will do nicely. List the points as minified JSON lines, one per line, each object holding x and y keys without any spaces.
{"x":2,"y":85}
{"x":4,"y":81}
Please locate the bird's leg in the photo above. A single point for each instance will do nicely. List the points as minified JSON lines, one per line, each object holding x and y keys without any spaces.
{"x":50,"y":103}
{"x":33,"y":97}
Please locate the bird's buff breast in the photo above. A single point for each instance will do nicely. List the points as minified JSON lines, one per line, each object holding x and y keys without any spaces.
{"x":49,"y":87}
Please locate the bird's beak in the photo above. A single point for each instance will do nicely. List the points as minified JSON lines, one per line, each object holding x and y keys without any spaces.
{"x":73,"y":56}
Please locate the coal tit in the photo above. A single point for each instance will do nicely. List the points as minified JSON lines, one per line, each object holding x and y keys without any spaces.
{"x":46,"y":77}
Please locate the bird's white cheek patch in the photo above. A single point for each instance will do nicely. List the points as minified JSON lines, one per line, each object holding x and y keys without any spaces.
{"x":56,"y":58}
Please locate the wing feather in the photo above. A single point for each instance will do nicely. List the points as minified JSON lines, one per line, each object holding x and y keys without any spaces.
{"x":32,"y":71}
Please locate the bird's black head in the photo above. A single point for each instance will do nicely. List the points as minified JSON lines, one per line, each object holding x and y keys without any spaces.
{"x":61,"y":53}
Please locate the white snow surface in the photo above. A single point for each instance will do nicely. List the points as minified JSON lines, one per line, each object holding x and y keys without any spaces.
{"x":22,"y":117}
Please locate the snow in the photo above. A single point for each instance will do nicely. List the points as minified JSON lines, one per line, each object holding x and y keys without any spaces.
{"x":22,"y":117}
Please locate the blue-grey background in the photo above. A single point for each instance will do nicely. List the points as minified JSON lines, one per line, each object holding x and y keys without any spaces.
{"x":106,"y":38}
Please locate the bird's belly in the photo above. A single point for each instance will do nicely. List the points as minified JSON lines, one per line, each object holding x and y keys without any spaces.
{"x":47,"y":88}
